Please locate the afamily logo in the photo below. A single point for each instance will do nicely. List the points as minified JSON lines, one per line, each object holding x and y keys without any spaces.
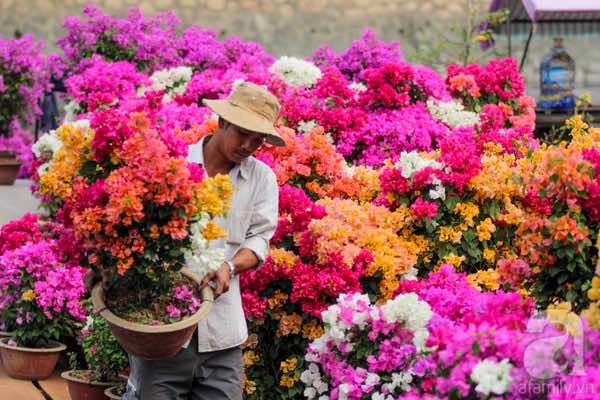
{"x":556,"y":345}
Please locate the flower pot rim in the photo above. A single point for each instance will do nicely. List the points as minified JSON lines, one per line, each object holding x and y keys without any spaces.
{"x":68,"y":375}
{"x":8,"y":154}
{"x":9,"y":162}
{"x":108,"y":393}
{"x":207,"y":302}
{"x":58,"y":348}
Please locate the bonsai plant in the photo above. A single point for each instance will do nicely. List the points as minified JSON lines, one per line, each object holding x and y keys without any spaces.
{"x":104,"y":357}
{"x":141,"y":212}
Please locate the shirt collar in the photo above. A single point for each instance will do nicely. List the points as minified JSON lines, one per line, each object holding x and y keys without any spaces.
{"x":243,"y":167}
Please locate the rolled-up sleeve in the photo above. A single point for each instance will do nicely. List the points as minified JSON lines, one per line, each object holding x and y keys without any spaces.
{"x":264,"y":216}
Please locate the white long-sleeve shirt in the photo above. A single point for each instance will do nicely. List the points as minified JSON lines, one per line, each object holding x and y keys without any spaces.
{"x":251,"y":222}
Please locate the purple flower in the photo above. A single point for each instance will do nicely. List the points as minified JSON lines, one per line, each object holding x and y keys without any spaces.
{"x":173,"y":312}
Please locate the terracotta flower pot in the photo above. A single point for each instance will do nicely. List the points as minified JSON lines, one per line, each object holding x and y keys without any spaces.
{"x":9,"y":168}
{"x":81,"y":388}
{"x":112,"y":393}
{"x":153,"y":342}
{"x":28,"y":363}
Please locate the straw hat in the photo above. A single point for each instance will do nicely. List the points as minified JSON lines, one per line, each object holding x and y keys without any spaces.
{"x":251,"y":107}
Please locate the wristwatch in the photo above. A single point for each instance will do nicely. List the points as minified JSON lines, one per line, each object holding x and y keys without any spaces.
{"x":231,"y":267}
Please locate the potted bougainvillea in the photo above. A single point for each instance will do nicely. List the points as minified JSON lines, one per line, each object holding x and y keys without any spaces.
{"x":24,"y":76}
{"x":40,"y":299}
{"x":105,"y":360}
{"x":140,"y":212}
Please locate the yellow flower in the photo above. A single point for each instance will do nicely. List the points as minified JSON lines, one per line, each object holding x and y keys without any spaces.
{"x":214,"y":195}
{"x":489,"y":254}
{"x":250,"y":358}
{"x":468,"y":211}
{"x":562,"y":316}
{"x":213,"y":231}
{"x":58,"y":179}
{"x":288,"y":381}
{"x":450,"y":234}
{"x":283,"y":257}
{"x":488,"y":279}
{"x":485,"y":229}
{"x":249,"y":386}
{"x":312,"y":330}
{"x":289,"y":324}
{"x":277,"y":300}
{"x":594,"y":292}
{"x":454,"y":259}
{"x":289,"y":365}
{"x":28,"y":295}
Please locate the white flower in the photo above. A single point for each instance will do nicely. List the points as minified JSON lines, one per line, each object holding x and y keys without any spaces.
{"x":201,"y":257}
{"x":412,"y":162}
{"x":371,"y":380}
{"x":452,"y":113}
{"x":89,"y":320}
{"x":306,"y":377}
{"x":413,"y":312}
{"x":46,"y":145}
{"x":343,"y":391}
{"x":307,"y":126}
{"x":82,"y":124}
{"x":330,"y":316}
{"x":42,"y":169}
{"x":324,"y":397}
{"x":377,"y":396}
{"x":171,"y":80}
{"x":349,"y":169}
{"x":357,"y":87}
{"x":310,"y":392}
{"x":321,"y":386}
{"x":71,"y":110}
{"x":439,"y":192}
{"x":411,"y":275}
{"x":491,"y":376}
{"x":296,"y":72}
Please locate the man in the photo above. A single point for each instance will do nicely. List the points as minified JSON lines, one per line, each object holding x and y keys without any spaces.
{"x":210,"y":367}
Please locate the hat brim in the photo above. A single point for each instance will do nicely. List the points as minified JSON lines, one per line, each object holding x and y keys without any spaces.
{"x":245,"y":119}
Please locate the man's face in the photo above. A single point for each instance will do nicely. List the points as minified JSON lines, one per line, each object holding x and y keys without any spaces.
{"x":241,"y":143}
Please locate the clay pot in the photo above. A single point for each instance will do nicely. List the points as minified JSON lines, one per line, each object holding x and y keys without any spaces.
{"x":81,"y":388}
{"x":29,"y":363}
{"x":9,"y":168}
{"x":153,"y":342}
{"x":111,"y":393}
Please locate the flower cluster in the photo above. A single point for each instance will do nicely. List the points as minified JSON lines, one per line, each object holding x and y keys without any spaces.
{"x":104,"y":357}
{"x":19,"y":232}
{"x":41,"y":296}
{"x":367,"y":52}
{"x":24,"y":77}
{"x":367,"y":350}
{"x":296,"y":72}
{"x":102,"y":84}
{"x":149,"y":43}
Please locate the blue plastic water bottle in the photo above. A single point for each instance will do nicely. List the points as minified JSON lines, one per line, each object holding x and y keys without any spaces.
{"x":557,"y":78}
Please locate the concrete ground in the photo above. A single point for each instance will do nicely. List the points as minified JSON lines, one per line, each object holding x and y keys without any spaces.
{"x":15,"y":201}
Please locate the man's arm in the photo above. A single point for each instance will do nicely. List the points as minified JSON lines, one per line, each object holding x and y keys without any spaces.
{"x":255,"y":248}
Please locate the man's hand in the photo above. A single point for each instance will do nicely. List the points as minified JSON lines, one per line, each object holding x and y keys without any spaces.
{"x":221,"y":279}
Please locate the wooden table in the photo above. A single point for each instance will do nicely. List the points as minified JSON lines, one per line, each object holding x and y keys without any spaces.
{"x":547,"y":120}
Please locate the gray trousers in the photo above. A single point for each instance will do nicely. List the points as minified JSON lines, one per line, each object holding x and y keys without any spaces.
{"x":189,"y":375}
